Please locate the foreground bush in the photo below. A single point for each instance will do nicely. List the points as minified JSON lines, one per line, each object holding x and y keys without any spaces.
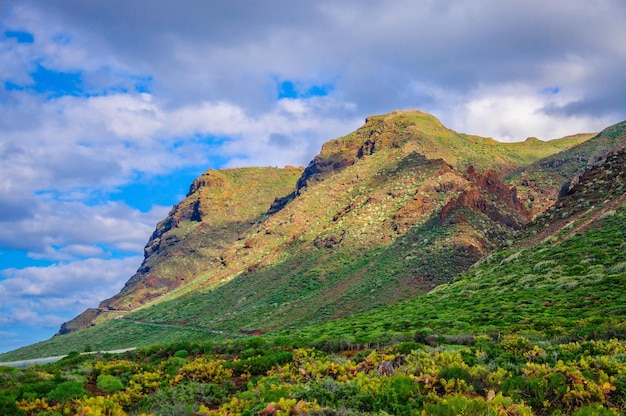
{"x":514,"y":376}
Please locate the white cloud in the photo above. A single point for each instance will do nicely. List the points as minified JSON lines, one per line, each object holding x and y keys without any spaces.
{"x":64,"y":230}
{"x":515,"y":112}
{"x":49,"y":296}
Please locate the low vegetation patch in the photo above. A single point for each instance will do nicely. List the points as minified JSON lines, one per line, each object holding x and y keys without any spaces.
{"x":512,"y":375}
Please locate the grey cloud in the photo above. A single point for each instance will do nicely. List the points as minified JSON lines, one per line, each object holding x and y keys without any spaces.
{"x":15,"y":206}
{"x":282,"y":140}
{"x":230,"y":51}
{"x":607,"y":96}
{"x":224,"y":23}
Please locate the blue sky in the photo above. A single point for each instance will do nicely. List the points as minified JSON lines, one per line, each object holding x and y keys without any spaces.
{"x":110,"y":109}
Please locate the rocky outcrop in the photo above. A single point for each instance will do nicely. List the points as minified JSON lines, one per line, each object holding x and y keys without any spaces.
{"x":82,"y":321}
{"x":594,"y":194}
{"x":485,"y":193}
{"x":540,"y":184}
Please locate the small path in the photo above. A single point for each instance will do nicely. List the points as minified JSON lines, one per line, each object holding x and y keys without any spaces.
{"x":177,"y":326}
{"x":54,"y":359}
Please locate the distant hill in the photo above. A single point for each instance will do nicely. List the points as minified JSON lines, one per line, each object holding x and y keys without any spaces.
{"x":541,"y":182}
{"x":395,"y":214}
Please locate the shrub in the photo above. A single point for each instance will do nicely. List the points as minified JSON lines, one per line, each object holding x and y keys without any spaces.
{"x":109,"y":384}
{"x":38,"y":390}
{"x":593,"y":410}
{"x":8,"y":407}
{"x":260,"y":365}
{"x":458,"y":404}
{"x":66,"y":391}
{"x":542,"y":265}
{"x":173,"y":364}
{"x":183,"y":399}
{"x":205,"y":370}
{"x":617,"y":268}
{"x":455,"y":372}
{"x":408,"y":347}
{"x":422,"y":334}
{"x":181,"y":353}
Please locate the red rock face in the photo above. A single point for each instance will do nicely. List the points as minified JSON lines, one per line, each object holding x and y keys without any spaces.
{"x":487,"y":194}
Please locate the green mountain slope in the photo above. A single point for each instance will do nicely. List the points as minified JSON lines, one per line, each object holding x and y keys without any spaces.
{"x":565,"y":278}
{"x":382,"y":215}
{"x":532,"y":329}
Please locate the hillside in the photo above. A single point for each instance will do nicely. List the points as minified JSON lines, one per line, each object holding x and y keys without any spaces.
{"x":376,"y":192}
{"x":540,"y":183}
{"x":564,"y":279}
{"x":382,"y":215}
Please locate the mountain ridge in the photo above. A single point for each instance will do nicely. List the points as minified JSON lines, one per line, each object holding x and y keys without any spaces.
{"x":369,"y":222}
{"x":399,"y":133}
{"x":404,"y":133}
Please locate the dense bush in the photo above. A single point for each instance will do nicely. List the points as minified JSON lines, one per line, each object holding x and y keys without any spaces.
{"x":8,"y":406}
{"x":66,"y":391}
{"x":259,"y":365}
{"x":109,"y":384}
{"x":183,"y":399}
{"x":181,"y":353}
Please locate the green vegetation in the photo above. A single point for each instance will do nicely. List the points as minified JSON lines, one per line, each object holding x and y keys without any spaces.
{"x":513,"y":375}
{"x":540,"y":183}
{"x":109,"y":384}
{"x":220,"y":207}
{"x":569,"y":290}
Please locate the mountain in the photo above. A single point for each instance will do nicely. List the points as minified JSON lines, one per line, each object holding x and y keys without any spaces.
{"x":532,"y":329}
{"x":385,"y":214}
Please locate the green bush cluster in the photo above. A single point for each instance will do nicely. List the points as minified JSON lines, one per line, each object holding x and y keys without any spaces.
{"x":109,"y":384}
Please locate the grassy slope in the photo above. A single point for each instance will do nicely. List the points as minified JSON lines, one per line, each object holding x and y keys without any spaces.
{"x":312,"y":273}
{"x":546,"y":290}
{"x":221,"y":206}
{"x":532,"y":149}
{"x":568,"y":285}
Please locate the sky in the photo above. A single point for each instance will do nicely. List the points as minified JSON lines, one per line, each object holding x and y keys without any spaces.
{"x":109,"y":109}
